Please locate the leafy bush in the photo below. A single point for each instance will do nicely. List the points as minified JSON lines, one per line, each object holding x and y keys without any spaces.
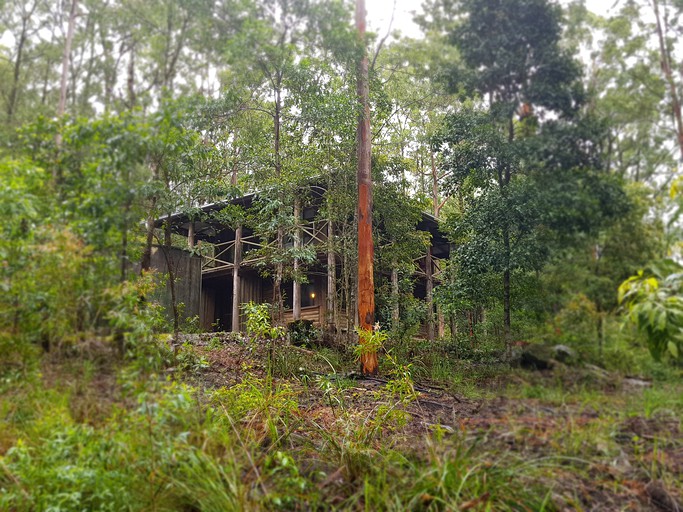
{"x":654,"y":303}
{"x":302,"y":332}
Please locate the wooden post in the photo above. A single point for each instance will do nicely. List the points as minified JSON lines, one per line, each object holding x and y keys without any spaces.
{"x":366,"y":253}
{"x":331,"y":303}
{"x":296,"y":286}
{"x":395,"y":311}
{"x":236,"y":281}
{"x":430,"y":295}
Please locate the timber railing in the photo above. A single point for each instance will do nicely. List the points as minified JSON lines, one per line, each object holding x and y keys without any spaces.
{"x":253,"y":247}
{"x":438,"y":266}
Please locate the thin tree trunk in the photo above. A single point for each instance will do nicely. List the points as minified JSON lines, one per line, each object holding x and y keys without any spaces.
{"x":236,"y":281}
{"x":170,"y":267}
{"x":507,"y":317}
{"x":18,"y":61}
{"x":130,"y":79}
{"x":395,"y":308}
{"x":453,"y":322}
{"x":435,"y":186}
{"x":124,"y":241}
{"x":279,"y":266}
{"x":168,"y":240}
{"x":296,"y":285}
{"x":665,"y":60}
{"x":146,"y":261}
{"x":366,"y":287}
{"x":61,"y":107}
{"x":190,"y":235}
{"x":348,"y":301}
{"x":430,"y":294}
{"x":331,"y":280}
{"x":66,"y":57}
{"x":441,"y":323}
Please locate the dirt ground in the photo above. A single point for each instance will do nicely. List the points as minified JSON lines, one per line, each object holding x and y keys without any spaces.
{"x":605,"y":456}
{"x":614,"y":474}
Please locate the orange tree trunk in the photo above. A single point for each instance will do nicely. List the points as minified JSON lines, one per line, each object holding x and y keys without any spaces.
{"x":366,"y":287}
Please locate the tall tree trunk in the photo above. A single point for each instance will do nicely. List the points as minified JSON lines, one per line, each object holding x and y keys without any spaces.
{"x":190,"y":235}
{"x":366,"y":287}
{"x":18,"y":62}
{"x":453,"y":324}
{"x":168,"y":239}
{"x":441,"y":323}
{"x":435,"y":186}
{"x":146,"y":260}
{"x":170,"y":267}
{"x":279,"y":266}
{"x":61,"y":107}
{"x":236,"y":281}
{"x":66,"y":58}
{"x":667,"y":69}
{"x":124,"y":241}
{"x":395,"y":308}
{"x":331,"y":304}
{"x":130,"y":79}
{"x":507,"y":316}
{"x":430,"y":294}
{"x":296,"y":285}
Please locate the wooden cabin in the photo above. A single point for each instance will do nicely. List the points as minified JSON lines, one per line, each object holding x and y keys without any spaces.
{"x":231,"y":269}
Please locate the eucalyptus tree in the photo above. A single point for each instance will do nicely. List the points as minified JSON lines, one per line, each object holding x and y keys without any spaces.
{"x":626,"y":90}
{"x":278,"y":43}
{"x":24,"y":21}
{"x":411,"y":103}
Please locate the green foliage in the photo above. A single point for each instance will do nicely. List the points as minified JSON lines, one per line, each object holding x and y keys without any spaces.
{"x":654,"y":304}
{"x":302,"y":332}
{"x":401,"y":382}
{"x":135,"y":459}
{"x":188,"y":361}
{"x":535,"y":195}
{"x":576,"y":325}
{"x":369,"y":341}
{"x":513,"y":54}
{"x":266,"y":406}
{"x":258,"y":322}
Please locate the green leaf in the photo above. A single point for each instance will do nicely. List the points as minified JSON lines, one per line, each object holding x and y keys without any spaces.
{"x":673,"y":349}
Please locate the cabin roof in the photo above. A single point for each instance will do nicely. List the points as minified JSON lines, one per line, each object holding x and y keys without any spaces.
{"x":213,"y":231}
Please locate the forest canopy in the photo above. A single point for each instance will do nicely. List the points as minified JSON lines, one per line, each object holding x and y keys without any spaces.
{"x":526,"y":175}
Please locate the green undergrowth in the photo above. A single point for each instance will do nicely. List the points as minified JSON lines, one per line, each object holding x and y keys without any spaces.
{"x":159,"y":444}
{"x":87,"y":432}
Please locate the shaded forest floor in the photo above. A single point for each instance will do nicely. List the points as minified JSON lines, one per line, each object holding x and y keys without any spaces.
{"x":315,"y":436}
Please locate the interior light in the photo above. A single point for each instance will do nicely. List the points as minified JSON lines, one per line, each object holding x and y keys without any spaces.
{"x":312,"y":295}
